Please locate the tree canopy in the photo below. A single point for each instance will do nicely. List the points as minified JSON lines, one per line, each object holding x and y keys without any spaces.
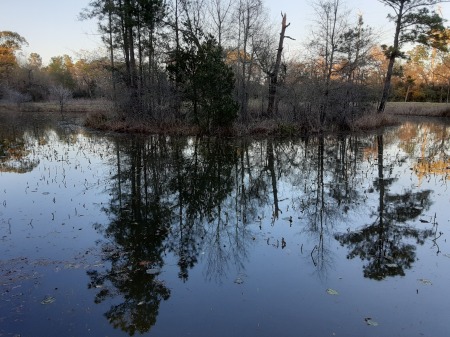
{"x":10,"y":42}
{"x":414,"y":22}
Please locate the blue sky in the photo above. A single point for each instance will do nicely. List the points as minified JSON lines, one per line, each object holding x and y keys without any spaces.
{"x":52,"y":28}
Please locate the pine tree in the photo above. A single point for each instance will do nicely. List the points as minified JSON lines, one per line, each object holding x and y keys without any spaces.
{"x":413,"y":23}
{"x":206,"y":82}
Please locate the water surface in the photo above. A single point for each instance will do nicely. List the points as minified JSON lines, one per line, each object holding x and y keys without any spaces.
{"x":113,"y":235}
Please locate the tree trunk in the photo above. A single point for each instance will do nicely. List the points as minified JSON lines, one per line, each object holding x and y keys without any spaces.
{"x":407,"y":94}
{"x":393,"y":55}
{"x":274,"y":75}
{"x":111,"y":51}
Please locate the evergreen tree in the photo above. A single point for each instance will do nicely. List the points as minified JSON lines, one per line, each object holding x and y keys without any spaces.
{"x":206,"y":82}
{"x":413,"y":23}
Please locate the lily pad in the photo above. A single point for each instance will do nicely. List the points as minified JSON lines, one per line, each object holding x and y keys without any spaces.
{"x":332,"y":292}
{"x":425,"y":282}
{"x":370,"y":321}
{"x":48,"y":300}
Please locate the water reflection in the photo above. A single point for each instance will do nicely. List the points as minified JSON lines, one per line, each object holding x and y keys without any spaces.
{"x":140,"y":217}
{"x":384,"y":243}
{"x":14,"y":154}
{"x":183,"y":204}
{"x":195,"y":198}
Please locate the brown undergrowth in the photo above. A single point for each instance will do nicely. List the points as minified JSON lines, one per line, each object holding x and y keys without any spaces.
{"x":101,"y":115}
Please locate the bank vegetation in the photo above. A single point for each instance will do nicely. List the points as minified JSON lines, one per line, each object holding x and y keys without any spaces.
{"x":222,"y":66}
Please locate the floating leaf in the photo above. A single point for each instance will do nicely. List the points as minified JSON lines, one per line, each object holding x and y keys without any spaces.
{"x":424,"y":221}
{"x":332,"y":292}
{"x":238,"y":280}
{"x":425,"y":281}
{"x":48,"y":300}
{"x":370,"y":321}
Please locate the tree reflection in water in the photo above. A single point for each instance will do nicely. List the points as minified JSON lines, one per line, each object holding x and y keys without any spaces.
{"x":328,"y":189}
{"x":194,"y":199}
{"x":139,"y":223}
{"x":384,"y":243}
{"x":168,"y":196}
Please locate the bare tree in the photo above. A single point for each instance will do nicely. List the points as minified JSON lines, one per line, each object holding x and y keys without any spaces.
{"x":62,"y":95}
{"x":220,"y":12}
{"x":249,"y":17}
{"x":273,"y":76}
{"x":194,"y":12}
{"x":332,"y":22}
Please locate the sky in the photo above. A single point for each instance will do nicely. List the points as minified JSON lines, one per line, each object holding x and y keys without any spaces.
{"x":52,"y":27}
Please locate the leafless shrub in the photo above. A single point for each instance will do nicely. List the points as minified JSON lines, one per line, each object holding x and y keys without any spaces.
{"x":62,"y":95}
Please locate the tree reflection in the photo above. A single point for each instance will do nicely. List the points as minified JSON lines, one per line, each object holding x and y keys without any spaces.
{"x":385,"y":243}
{"x":168,"y":196}
{"x":192,"y":199}
{"x":140,"y":219}
{"x":208,"y":218}
{"x":14,"y":155}
{"x":330,"y":188}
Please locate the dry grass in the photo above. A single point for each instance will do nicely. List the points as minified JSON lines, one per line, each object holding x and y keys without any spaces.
{"x":418,"y":109}
{"x":72,"y":106}
{"x":110,"y":122}
{"x":374,"y":121}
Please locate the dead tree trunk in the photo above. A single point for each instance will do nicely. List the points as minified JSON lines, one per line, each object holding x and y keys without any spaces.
{"x":273,"y":76}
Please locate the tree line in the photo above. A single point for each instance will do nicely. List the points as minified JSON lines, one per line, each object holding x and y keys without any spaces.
{"x":214,"y":62}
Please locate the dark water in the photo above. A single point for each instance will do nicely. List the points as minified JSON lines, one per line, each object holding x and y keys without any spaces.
{"x":105,"y":235}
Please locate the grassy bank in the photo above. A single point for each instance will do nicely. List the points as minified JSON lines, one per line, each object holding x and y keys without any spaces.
{"x":418,"y":109}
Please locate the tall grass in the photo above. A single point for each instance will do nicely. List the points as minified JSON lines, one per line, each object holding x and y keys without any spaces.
{"x":418,"y":109}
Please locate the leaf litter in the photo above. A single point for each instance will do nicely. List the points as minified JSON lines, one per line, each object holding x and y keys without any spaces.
{"x":425,"y":281}
{"x":48,"y":300}
{"x":332,"y":292}
{"x":369,"y":321}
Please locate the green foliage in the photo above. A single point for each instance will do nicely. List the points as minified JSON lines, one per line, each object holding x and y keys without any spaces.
{"x":205,"y":81}
{"x":427,"y":29}
{"x":416,"y":24}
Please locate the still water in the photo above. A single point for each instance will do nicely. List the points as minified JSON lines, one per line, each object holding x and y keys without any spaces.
{"x":113,"y":235}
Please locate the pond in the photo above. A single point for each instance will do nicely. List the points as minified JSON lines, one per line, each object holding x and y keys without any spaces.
{"x":114,"y":235}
